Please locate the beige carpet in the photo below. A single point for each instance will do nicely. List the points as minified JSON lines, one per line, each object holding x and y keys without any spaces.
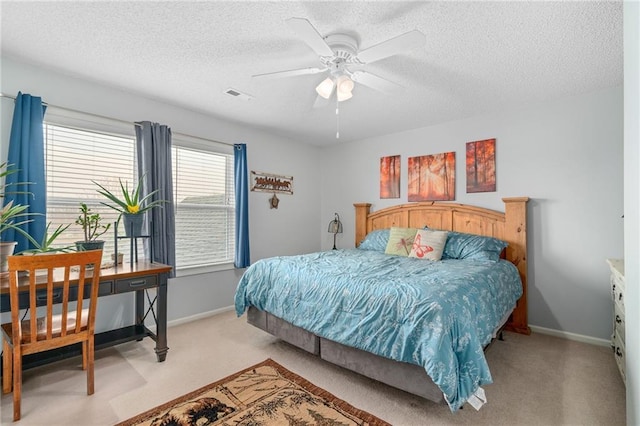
{"x":264,"y":394}
{"x":538,"y":380}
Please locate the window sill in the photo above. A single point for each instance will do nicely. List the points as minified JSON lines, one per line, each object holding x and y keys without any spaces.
{"x":205,"y":269}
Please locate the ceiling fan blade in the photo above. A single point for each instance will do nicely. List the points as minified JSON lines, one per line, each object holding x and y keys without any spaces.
{"x":310,"y":35}
{"x":290,"y":73}
{"x":399,"y":44}
{"x":373,"y":81}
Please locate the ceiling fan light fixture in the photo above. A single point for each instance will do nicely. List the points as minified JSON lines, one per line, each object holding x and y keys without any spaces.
{"x":343,"y":96}
{"x":325,"y":88}
{"x":345,"y":84}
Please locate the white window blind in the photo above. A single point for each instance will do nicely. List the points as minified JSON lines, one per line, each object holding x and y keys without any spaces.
{"x":205,"y":207}
{"x":203,"y":191}
{"x":74,"y":158}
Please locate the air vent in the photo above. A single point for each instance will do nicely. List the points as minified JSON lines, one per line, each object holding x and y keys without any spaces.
{"x":238,"y":94}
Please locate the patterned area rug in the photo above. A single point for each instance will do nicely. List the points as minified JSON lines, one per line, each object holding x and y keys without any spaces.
{"x":265,"y":394}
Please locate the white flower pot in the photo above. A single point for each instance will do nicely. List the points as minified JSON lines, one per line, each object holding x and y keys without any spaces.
{"x":6,"y":250}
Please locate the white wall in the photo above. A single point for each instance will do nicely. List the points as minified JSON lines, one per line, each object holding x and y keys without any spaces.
{"x":565,"y":155}
{"x":632,"y":206}
{"x":292,"y":228}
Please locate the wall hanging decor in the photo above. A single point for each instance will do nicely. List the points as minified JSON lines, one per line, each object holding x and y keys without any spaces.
{"x":432,"y":177}
{"x":268,"y":182}
{"x":273,"y":202}
{"x":390,"y":177}
{"x":481,"y":166}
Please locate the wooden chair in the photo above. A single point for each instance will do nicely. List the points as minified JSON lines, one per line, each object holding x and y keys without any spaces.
{"x":41,"y":329}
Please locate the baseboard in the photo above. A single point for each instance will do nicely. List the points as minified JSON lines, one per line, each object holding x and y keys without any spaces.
{"x":199,"y":316}
{"x":534,"y":328}
{"x":191,"y":318}
{"x":571,"y":336}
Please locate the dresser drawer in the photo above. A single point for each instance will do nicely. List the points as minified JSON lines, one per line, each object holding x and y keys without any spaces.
{"x":618,"y":280}
{"x":619,"y":352}
{"x":617,"y":289}
{"x":619,"y":325}
{"x":137,"y":283}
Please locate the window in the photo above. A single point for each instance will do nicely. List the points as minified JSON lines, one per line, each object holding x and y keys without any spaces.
{"x":74,"y":158}
{"x":205,"y":207}
{"x":203,"y":190}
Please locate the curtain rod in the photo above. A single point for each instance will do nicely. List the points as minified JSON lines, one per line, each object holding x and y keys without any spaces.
{"x":2,"y":95}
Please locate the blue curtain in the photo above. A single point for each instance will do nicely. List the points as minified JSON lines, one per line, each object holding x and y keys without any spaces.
{"x":26,"y":154}
{"x":153,"y":143}
{"x":242,"y":259}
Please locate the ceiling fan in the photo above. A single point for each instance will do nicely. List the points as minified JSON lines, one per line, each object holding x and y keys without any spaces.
{"x":338,"y":52}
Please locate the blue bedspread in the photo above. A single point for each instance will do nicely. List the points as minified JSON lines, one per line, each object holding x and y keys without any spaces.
{"x":435,"y":314}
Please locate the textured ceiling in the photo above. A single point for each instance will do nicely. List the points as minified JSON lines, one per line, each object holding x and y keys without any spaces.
{"x":478,"y":57}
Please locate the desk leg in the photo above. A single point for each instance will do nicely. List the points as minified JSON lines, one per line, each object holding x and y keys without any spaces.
{"x":139,"y":300}
{"x":161,"y":332}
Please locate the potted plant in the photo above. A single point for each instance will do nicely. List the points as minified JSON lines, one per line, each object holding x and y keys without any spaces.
{"x":118,"y":258}
{"x":92,"y":227}
{"x":46,"y":245}
{"x":12,"y":216}
{"x":9,"y":214}
{"x":130,"y":206}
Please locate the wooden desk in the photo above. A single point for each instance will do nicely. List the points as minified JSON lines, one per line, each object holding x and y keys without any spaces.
{"x":125,"y":278}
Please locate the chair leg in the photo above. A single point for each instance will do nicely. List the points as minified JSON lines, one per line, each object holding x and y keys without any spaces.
{"x":84,"y":355}
{"x":7,"y":366}
{"x":90,"y":364}
{"x":17,"y":381}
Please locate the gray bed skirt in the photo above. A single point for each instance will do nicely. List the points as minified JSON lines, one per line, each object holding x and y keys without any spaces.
{"x":407,"y":377}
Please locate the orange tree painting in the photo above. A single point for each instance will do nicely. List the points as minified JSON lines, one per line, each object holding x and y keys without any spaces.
{"x":390,"y":177}
{"x":481,"y":166}
{"x":432,"y":177}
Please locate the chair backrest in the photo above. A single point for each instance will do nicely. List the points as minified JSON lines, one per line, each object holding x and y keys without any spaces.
{"x":49,"y":280}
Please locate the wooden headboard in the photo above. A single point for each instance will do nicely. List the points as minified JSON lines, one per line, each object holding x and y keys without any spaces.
{"x":510,"y":226}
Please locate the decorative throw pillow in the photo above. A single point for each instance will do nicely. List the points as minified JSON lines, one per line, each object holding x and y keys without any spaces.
{"x":375,"y":240}
{"x":476,"y":247}
{"x":428,"y":244}
{"x":400,"y":241}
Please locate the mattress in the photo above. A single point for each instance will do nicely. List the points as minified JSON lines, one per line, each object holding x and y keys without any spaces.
{"x":437,"y":315}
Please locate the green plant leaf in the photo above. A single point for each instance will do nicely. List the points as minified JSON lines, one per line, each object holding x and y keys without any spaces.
{"x":128,"y":198}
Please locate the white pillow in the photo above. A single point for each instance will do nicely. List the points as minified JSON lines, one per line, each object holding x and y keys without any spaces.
{"x":428,"y":244}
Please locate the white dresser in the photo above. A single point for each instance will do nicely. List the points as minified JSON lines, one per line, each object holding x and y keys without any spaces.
{"x":617,"y":292}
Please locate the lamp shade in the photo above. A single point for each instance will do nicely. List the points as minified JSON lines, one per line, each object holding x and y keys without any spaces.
{"x":325,"y":88}
{"x":344,"y":96}
{"x":335,"y":227}
{"x":344,"y":86}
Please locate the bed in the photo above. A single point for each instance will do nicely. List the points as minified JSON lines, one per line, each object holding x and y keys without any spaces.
{"x":418,"y":325}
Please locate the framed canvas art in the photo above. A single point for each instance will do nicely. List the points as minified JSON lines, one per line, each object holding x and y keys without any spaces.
{"x":432,"y":177}
{"x":481,"y":166}
{"x":390,"y":177}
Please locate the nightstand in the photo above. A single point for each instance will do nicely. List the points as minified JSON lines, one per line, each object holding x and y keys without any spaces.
{"x":617,"y":293}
